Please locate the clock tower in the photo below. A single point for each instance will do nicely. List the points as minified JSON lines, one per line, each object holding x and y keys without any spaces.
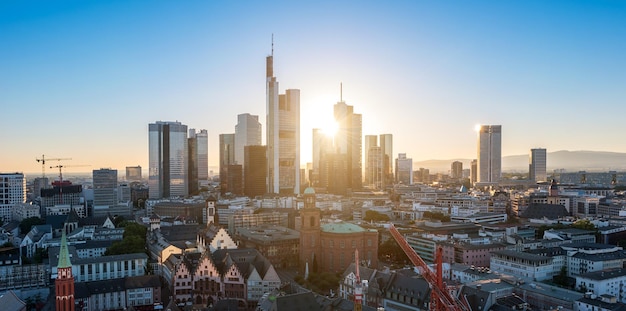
{"x":64,"y":284}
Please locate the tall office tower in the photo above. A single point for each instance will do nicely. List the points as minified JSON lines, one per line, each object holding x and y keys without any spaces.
{"x":254,"y":170}
{"x":248,"y":132}
{"x":168,"y":163}
{"x":322,"y":144}
{"x":133,"y":173}
{"x":375,"y":167}
{"x":489,"y":154}
{"x":283,"y":135}
{"x":370,"y":142}
{"x":386,"y":146}
{"x":537,"y":167}
{"x":104,"y":187}
{"x":404,"y":169}
{"x":474,"y":171}
{"x":198,"y":159}
{"x":227,"y":158}
{"x":13,"y":190}
{"x":348,"y":142}
{"x":456,"y":170}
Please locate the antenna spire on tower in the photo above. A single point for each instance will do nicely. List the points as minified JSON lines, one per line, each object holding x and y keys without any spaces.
{"x":272,"y":45}
{"x":341,"y":91}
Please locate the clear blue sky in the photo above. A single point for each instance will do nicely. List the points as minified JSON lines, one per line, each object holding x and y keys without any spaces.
{"x":83,"y":79}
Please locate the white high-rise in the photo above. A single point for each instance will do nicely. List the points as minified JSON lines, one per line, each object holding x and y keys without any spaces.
{"x":489,"y":164}
{"x":248,"y":132}
{"x":13,"y":189}
{"x":537,"y":167}
{"x":168,"y":160}
{"x":283,"y":135}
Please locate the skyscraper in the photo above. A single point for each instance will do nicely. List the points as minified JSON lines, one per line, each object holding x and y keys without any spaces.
{"x":198,"y":159}
{"x":133,"y":173}
{"x":248,"y":132}
{"x":370,"y":142}
{"x":227,"y":158}
{"x":283,"y":135}
{"x":254,"y":170}
{"x":404,"y":169}
{"x":322,"y":144}
{"x":537,"y":167}
{"x":348,"y":142}
{"x":456,"y":170}
{"x":489,"y":154}
{"x":168,"y":160}
{"x":104,"y":187}
{"x":386,"y":147}
{"x":13,"y":190}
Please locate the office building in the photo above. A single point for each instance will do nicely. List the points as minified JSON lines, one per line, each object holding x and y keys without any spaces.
{"x":227,"y":158}
{"x":13,"y":189}
{"x":370,"y":142}
{"x":254,"y":170}
{"x":474,"y":171}
{"x":322,"y":144}
{"x":404,"y":169}
{"x":168,"y":160}
{"x":489,"y":165}
{"x":375,"y":167}
{"x":537,"y":167}
{"x":283,"y":135}
{"x":198,"y":159}
{"x":104,"y":187}
{"x":133,"y":173}
{"x":456,"y":170}
{"x":386,"y":148}
{"x":248,"y":132}
{"x":348,"y":142}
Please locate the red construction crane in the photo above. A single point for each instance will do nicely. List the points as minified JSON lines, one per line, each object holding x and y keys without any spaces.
{"x":440,"y":298}
{"x":358,"y":287}
{"x":43,"y":163}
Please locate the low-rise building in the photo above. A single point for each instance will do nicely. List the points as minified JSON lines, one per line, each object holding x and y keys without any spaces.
{"x":280,"y":245}
{"x":138,"y":292}
{"x":605,"y":282}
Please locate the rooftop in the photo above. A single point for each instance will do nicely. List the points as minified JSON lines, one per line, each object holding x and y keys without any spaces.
{"x":341,"y":227}
{"x":605,"y":274}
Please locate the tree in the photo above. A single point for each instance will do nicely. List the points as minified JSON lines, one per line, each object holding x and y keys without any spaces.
{"x":375,"y":216}
{"x":28,"y":223}
{"x":436,"y":216}
{"x":584,"y":224}
{"x":133,"y":241}
{"x":390,"y":250}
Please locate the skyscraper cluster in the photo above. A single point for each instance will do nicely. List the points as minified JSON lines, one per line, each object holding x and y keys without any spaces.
{"x":379,"y":161}
{"x":170,"y":160}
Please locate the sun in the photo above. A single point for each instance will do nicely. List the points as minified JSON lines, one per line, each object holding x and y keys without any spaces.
{"x":477,"y":127}
{"x":329,"y":127}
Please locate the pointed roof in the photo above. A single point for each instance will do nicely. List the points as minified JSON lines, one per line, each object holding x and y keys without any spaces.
{"x":64,"y":254}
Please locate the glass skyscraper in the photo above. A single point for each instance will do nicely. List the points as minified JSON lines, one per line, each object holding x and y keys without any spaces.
{"x":168,"y":160}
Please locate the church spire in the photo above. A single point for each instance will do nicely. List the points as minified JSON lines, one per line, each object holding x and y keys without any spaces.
{"x":64,"y":254}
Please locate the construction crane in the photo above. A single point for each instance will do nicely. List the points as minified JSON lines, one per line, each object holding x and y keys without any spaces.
{"x":60,"y":167}
{"x":440,"y":298}
{"x":358,"y":287}
{"x":43,"y":163}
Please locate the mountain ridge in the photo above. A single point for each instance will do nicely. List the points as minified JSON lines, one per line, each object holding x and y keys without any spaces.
{"x":578,"y":160}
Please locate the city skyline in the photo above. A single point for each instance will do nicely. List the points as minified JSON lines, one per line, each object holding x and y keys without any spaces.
{"x":424,"y":72}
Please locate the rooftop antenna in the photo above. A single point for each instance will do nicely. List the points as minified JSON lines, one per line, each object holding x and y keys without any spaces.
{"x":272,"y":45}
{"x":340,"y":91}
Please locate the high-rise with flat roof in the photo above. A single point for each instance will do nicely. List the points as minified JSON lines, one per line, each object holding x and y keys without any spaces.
{"x":322,"y":144}
{"x":537,"y":167}
{"x":489,"y":165}
{"x":13,"y":190}
{"x":133,"y":173}
{"x":254,"y":170}
{"x":248,"y":132}
{"x":404,"y":169}
{"x":227,"y":158}
{"x":104,"y":187}
{"x":386,"y":148}
{"x":283,"y":135}
{"x":456,"y":170}
{"x":168,"y":160}
{"x":198,"y":159}
{"x":348,"y":143}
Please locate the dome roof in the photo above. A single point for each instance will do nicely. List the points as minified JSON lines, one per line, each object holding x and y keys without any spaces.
{"x":309,"y":190}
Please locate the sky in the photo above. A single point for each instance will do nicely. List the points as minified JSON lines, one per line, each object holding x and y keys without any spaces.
{"x":83,"y":79}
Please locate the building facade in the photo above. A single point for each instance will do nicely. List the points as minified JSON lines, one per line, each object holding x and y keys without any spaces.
{"x":227,"y":158}
{"x":404,"y":169}
{"x":248,"y":132}
{"x":538,"y":165}
{"x":489,"y":165}
{"x":104,"y":187}
{"x":254,"y":170}
{"x":168,"y":160}
{"x":13,"y":189}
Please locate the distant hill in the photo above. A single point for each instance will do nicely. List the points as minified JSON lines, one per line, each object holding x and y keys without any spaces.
{"x":563,"y":159}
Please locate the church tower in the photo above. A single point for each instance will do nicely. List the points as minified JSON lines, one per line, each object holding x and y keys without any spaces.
{"x":310,"y":244}
{"x":64,"y":283}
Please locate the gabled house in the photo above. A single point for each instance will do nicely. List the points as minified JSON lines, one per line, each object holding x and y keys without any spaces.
{"x":35,"y":238}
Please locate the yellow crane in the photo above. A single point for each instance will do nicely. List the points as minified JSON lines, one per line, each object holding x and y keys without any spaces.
{"x":43,"y":160}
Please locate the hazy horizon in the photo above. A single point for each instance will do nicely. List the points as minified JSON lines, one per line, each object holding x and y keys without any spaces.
{"x":83,"y":80}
